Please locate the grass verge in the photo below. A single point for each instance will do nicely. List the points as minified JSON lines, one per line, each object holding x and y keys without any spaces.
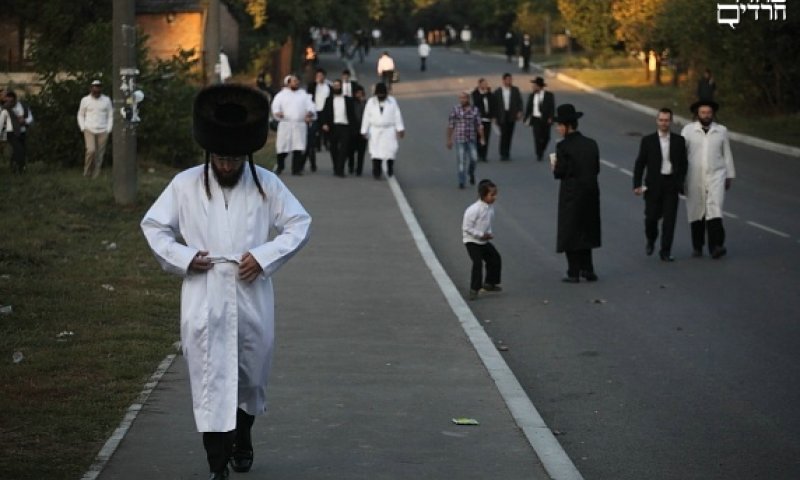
{"x":92,"y":315}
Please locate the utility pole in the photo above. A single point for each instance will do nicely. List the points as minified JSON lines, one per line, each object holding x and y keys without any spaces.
{"x":124,"y":73}
{"x":212,"y":42}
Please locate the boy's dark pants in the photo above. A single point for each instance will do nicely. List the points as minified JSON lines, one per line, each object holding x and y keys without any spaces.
{"x":479,"y":254}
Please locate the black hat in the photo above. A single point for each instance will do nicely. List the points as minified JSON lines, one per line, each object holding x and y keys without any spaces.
{"x":701,"y":103}
{"x":539,"y":81}
{"x":566,"y":113}
{"x":230,"y":119}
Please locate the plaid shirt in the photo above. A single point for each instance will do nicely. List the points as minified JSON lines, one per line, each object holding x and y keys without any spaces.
{"x":465,"y":123}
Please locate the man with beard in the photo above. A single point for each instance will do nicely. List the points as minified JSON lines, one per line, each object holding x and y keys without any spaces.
{"x":576,"y":164}
{"x":294,"y":110}
{"x":338,"y":119}
{"x":710,"y":174}
{"x":212,"y":225}
{"x":383,"y":126}
{"x":482,"y":99}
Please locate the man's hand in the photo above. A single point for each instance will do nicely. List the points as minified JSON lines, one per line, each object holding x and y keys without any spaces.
{"x":449,"y":143}
{"x":325,"y":128}
{"x":279,"y":115}
{"x":200,"y":263}
{"x":638,"y":191}
{"x":728,"y":183}
{"x":249,"y":269}
{"x":401,"y":134}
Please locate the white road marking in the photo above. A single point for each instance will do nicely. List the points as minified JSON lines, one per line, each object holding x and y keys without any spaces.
{"x":768,"y":229}
{"x":541,"y":438}
{"x":729,"y":214}
{"x":626,"y":171}
{"x":608,"y":164}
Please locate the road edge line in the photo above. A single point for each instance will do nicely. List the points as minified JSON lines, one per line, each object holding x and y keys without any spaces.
{"x":552,"y":455}
{"x":119,"y":433}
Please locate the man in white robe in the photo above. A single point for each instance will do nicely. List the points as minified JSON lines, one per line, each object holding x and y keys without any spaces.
{"x":382,"y":124}
{"x":710,"y":174}
{"x":294,"y":110}
{"x":211,"y":225}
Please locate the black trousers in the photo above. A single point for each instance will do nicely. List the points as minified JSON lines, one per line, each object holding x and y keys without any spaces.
{"x":579,"y":261}
{"x":220,"y":446}
{"x":716,"y":233}
{"x":541,"y":135}
{"x":17,"y":143}
{"x":340,"y":136}
{"x":506,"y":132}
{"x":661,"y":203}
{"x":376,"y":167}
{"x":298,"y":161}
{"x":313,"y":144}
{"x":422,"y":63}
{"x":481,"y":254}
{"x":358,"y":149}
{"x":483,"y":150}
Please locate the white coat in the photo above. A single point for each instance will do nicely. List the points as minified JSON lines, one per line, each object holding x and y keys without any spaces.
{"x":227,"y":325}
{"x":710,"y":163}
{"x":382,"y":127}
{"x":292,"y":128}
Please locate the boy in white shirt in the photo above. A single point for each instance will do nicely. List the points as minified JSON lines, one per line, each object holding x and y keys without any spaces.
{"x":476,"y":230}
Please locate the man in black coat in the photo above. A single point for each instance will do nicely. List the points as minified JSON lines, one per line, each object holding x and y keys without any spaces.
{"x":576,"y":163}
{"x":663,"y":155}
{"x":508,"y":110}
{"x":539,"y":111}
{"x":338,"y":119}
{"x":482,"y":99}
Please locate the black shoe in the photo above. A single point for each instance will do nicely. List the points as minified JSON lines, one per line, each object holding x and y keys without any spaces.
{"x":718,"y":252}
{"x":313,"y":168}
{"x":649,"y":248}
{"x":589,"y":276}
{"x":297,"y":173}
{"x":242,"y":461}
{"x":461,"y":186}
{"x":471,"y":179}
{"x":697,"y":253}
{"x":223,"y":475}
{"x":571,"y":279}
{"x":538,"y":158}
{"x":666,"y":257}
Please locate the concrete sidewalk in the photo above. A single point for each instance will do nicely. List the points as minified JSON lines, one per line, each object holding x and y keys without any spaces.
{"x":371,"y":366}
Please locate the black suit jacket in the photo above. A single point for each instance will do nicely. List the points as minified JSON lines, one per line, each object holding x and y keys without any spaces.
{"x":477,"y":100}
{"x":547,"y":108}
{"x":649,"y":159}
{"x":326,"y":116}
{"x":514,"y":105}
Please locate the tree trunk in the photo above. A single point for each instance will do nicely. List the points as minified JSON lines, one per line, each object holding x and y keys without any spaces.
{"x":657,"y":74}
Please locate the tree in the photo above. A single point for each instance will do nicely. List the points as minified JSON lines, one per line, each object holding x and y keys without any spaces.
{"x":591,"y":23}
{"x":635,"y":27}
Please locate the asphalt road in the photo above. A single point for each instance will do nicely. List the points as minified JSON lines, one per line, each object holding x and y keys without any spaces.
{"x":686,"y":370}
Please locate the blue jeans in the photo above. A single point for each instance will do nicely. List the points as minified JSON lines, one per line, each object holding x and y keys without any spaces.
{"x":466,"y":156}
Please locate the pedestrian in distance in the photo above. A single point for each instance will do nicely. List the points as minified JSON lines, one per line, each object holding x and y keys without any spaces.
{"x":465,"y":131}
{"x":466,"y":37}
{"x":709,"y":176}
{"x":508,"y":109}
{"x":424,"y":51}
{"x":383,"y":126}
{"x":95,"y":120}
{"x":525,"y":53}
{"x":576,"y":164}
{"x":386,"y":70}
{"x":706,"y":86}
{"x":510,"y":45}
{"x":476,"y":233}
{"x":319,"y":90}
{"x":348,"y":84}
{"x":294,"y":110}
{"x":14,"y":124}
{"x":662,"y":155}
{"x":338,"y":120}
{"x":212,"y":226}
{"x":539,"y":111}
{"x":355,"y":159}
{"x":482,"y":98}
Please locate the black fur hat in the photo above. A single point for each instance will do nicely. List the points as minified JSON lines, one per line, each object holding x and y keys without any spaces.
{"x":230,"y":119}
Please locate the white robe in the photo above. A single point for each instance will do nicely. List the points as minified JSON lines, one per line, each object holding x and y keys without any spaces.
{"x":710,"y":163}
{"x":292,"y":128}
{"x":382,"y":128}
{"x":227,"y":325}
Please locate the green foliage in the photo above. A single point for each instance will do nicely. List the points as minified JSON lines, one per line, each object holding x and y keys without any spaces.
{"x":165,"y":133}
{"x":591,"y":23}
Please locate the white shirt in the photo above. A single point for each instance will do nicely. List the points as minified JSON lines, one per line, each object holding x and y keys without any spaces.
{"x":19,"y":111}
{"x":506,"y":97}
{"x":347,"y":89}
{"x":96,"y":114}
{"x":321,"y":94}
{"x":477,"y":222}
{"x":424,"y":49}
{"x":385,"y":63}
{"x":537,"y":99}
{"x":339,"y":111}
{"x":666,"y":164}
